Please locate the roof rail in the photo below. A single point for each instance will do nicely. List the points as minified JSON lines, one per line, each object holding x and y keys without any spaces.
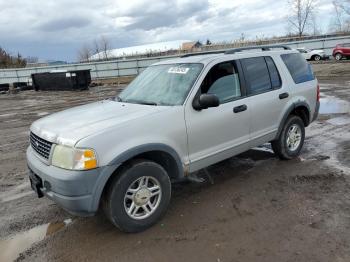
{"x":262,"y":47}
{"x":203,"y":53}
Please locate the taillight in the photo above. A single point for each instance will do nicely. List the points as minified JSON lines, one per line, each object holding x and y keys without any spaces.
{"x":318,"y":92}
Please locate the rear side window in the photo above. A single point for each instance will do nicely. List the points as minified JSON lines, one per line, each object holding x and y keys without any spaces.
{"x":299,"y":69}
{"x":261,"y":74}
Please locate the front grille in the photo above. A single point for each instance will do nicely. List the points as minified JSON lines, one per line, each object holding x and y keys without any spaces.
{"x":41,"y":146}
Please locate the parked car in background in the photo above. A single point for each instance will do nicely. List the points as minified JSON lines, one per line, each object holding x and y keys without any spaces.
{"x":341,"y":51}
{"x":315,"y":55}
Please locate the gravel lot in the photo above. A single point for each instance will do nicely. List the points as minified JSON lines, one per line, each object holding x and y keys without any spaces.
{"x":258,"y":208}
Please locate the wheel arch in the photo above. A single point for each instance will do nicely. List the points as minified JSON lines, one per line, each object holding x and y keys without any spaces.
{"x":314,"y":55}
{"x":162,"y":154}
{"x":338,"y":52}
{"x":300,"y":109}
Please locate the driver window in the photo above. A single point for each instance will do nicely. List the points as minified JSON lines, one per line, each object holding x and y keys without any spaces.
{"x":222,"y":81}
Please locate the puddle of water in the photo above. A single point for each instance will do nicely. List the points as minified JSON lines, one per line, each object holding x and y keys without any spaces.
{"x":339,"y":121}
{"x":11,"y":248}
{"x":262,"y":152}
{"x":42,"y":113}
{"x":333,"y":105}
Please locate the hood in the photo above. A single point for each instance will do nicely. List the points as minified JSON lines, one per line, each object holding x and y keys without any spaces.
{"x":69,"y":126}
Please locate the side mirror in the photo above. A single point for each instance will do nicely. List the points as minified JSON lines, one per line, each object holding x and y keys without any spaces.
{"x":205,"y":101}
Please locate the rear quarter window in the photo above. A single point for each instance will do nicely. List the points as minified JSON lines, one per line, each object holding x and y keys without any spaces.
{"x":299,"y":69}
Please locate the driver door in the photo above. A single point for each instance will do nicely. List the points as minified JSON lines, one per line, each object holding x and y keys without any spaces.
{"x":215,"y":134}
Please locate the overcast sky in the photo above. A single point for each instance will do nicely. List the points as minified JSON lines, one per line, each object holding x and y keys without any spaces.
{"x":55,"y":29}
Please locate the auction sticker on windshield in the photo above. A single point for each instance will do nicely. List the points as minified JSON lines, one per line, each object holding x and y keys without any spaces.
{"x":178,"y":70}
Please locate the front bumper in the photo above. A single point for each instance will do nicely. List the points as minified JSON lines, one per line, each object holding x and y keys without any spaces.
{"x":75,"y":191}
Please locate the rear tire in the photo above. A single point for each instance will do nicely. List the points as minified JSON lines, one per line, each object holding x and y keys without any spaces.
{"x":138,"y":196}
{"x":291,"y":139}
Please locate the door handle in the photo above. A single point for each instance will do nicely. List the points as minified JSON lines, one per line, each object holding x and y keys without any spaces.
{"x":240,"y":108}
{"x":283,"y":95}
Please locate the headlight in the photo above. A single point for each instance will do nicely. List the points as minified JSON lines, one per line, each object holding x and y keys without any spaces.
{"x":74,"y":158}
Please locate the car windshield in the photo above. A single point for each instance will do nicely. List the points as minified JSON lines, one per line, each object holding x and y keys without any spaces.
{"x":162,"y":85}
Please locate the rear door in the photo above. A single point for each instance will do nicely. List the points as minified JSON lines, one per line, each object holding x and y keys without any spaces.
{"x":346,"y":49}
{"x":268,"y":96}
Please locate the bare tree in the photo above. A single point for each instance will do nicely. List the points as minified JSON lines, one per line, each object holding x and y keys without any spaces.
{"x":32,"y":59}
{"x":341,"y":19}
{"x":344,"y":5}
{"x":105,"y":47}
{"x":301,"y":15}
{"x":10,"y":61}
{"x":84,"y":54}
{"x":96,"y":49}
{"x":338,"y":17}
{"x":99,"y":48}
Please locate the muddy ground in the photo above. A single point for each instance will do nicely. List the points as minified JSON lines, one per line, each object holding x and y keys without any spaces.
{"x":258,"y":208}
{"x":331,"y":69}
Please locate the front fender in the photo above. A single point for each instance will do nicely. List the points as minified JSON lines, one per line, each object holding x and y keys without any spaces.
{"x":130,"y":153}
{"x":123,"y":157}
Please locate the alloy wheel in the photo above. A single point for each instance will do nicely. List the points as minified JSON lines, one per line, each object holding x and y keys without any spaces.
{"x":142,"y":197}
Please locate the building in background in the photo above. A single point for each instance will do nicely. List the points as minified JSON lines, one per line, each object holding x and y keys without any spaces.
{"x":192,"y":46}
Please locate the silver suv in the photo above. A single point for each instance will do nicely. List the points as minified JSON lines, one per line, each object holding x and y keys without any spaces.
{"x":175,"y":118}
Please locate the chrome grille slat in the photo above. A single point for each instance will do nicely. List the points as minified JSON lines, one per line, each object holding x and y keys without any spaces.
{"x":41,"y":146}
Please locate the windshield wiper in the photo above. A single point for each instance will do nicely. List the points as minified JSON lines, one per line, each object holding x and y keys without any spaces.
{"x":141,"y":102}
{"x":147,"y":103}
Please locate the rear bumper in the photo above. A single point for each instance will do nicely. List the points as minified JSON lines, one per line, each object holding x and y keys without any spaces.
{"x":317,"y":108}
{"x":78,"y":192}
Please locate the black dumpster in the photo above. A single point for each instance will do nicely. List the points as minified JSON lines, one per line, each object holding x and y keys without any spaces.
{"x":62,"y":80}
{"x":4,"y":87}
{"x":19,"y":84}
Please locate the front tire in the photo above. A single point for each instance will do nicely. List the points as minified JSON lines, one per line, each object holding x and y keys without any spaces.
{"x":138,"y":196}
{"x":317,"y":58}
{"x":291,"y":139}
{"x":338,"y":57}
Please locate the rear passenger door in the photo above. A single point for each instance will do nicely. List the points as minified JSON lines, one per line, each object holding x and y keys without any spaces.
{"x":346,"y":49}
{"x":268,"y":96}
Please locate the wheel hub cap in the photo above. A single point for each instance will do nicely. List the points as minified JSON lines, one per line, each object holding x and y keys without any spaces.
{"x":293,"y":137}
{"x":142,"y":196}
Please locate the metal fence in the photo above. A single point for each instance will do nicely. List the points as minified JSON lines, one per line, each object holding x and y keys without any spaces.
{"x":117,"y":68}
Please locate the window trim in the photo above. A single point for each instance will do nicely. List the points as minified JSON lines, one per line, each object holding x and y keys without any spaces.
{"x":279,"y":75}
{"x":248,"y":94}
